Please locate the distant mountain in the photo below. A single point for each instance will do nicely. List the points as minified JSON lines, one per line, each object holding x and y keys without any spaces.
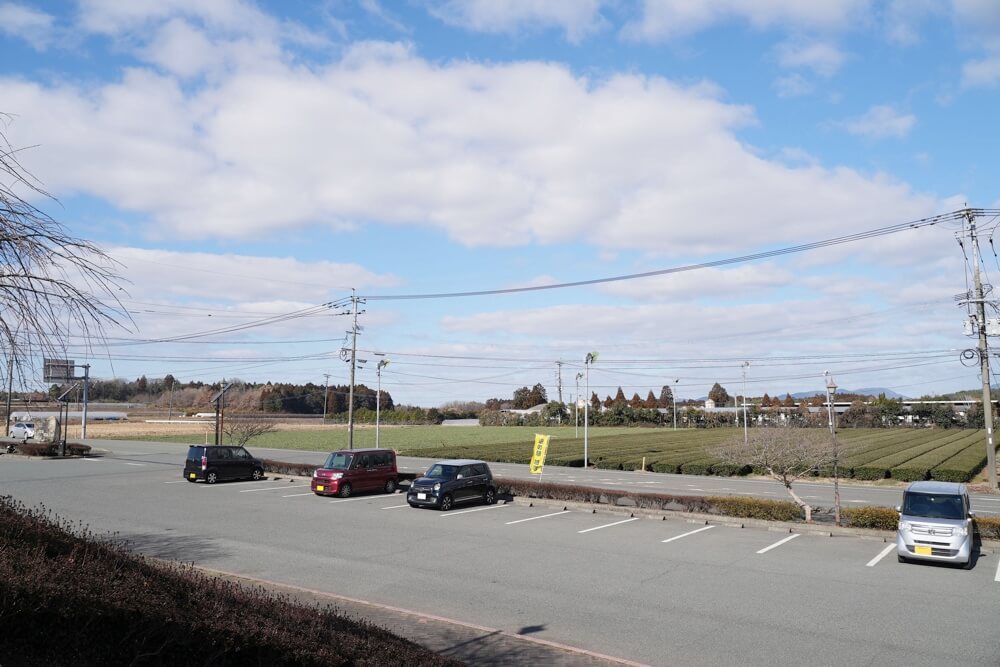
{"x":868,"y":391}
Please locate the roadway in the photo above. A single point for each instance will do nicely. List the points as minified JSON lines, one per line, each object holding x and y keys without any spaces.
{"x":653,"y":591}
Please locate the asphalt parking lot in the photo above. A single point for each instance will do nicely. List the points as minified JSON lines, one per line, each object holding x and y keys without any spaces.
{"x":649,"y":590}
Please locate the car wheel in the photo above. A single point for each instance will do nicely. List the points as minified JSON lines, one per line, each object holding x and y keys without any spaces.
{"x":491,"y":496}
{"x":446,"y":502}
{"x":345,"y":490}
{"x":413,"y":505}
{"x":257,"y":474}
{"x":212,"y":477}
{"x":901,"y":559}
{"x":191,"y":480}
{"x":390,"y":486}
{"x":967,"y":565}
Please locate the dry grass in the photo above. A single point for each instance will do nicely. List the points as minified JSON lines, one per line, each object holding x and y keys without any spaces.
{"x":139,"y":429}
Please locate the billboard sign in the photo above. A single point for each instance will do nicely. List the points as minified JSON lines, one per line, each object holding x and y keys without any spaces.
{"x":58,"y":370}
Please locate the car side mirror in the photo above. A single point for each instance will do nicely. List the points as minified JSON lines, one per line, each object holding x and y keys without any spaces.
{"x":972,"y":515}
{"x":899,"y":509}
{"x":459,"y":476}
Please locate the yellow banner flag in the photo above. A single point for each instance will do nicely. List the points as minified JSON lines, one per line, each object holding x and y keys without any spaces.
{"x":538,"y":454}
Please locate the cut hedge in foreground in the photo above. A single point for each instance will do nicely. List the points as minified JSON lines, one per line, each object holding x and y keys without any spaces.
{"x":67,"y":598}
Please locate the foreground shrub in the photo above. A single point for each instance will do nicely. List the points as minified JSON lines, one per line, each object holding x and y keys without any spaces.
{"x":881,"y":518}
{"x":67,"y":598}
{"x":989,"y":527}
{"x":37,"y":449}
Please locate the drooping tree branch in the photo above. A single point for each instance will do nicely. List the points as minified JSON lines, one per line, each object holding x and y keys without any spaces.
{"x":51,"y":283}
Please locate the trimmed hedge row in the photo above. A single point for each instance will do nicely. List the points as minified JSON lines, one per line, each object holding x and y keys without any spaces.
{"x":882,"y":518}
{"x":67,"y":597}
{"x":52,"y":449}
{"x":736,"y":506}
{"x":989,"y":527}
{"x":286,"y":468}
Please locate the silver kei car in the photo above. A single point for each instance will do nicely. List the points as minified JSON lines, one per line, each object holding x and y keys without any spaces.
{"x":935,"y":524}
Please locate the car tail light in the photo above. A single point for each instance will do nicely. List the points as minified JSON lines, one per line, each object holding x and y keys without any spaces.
{"x":204,"y":462}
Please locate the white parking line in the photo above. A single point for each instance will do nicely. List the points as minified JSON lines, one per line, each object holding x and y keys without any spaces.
{"x":478,"y":509}
{"x":176,"y":481}
{"x":997,"y":578}
{"x":275,"y":488}
{"x":677,"y":537}
{"x":135,"y":464}
{"x":297,"y":495}
{"x":93,"y":460}
{"x":393,"y":507}
{"x":532,"y":518}
{"x":347,"y":500}
{"x":882,"y":554}
{"x":608,"y":525}
{"x":779,"y":543}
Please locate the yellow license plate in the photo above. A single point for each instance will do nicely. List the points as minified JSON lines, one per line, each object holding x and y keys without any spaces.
{"x":320,"y":487}
{"x":193,"y":475}
{"x":922,"y":551}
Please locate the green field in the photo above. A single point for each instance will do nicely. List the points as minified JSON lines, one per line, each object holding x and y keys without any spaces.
{"x":869,"y":454}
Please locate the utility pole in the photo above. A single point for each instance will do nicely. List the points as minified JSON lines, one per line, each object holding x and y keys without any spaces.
{"x":326,"y":395}
{"x":746,"y":364}
{"x":984,"y":359}
{"x":576,"y":404}
{"x":86,"y":384}
{"x":10,"y":388}
{"x":354,"y":354}
{"x":559,"y":366}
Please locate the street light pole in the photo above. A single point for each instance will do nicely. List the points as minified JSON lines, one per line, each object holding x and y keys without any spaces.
{"x":831,"y":389}
{"x":588,"y":360}
{"x":326,"y":395}
{"x":576,"y":408}
{"x":378,"y":397}
{"x":746,"y":364}
{"x":673,"y":395}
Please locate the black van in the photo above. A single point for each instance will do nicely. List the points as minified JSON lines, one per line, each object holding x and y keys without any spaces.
{"x":212,"y":463}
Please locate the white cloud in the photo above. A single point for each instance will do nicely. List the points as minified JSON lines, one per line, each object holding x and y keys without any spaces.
{"x":823,"y":58}
{"x":879,"y":122}
{"x":29,"y":24}
{"x":664,"y":19}
{"x":985,"y":72}
{"x":578,"y":18}
{"x":793,"y":85}
{"x":500,"y":155}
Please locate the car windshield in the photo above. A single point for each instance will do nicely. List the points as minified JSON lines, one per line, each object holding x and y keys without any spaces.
{"x":438,"y":471}
{"x":338,"y":461}
{"x":933,"y":506}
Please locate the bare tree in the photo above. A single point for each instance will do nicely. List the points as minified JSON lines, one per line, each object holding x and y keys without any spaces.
{"x":241,"y":430}
{"x":785,"y":454}
{"x":49,"y":280}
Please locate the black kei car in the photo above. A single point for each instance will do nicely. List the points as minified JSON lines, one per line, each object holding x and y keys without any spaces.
{"x":451,"y":482}
{"x":214,"y":463}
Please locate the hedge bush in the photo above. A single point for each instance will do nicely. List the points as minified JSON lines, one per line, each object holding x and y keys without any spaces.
{"x":67,"y":598}
{"x":989,"y":527}
{"x":757,"y":508}
{"x":52,"y":449}
{"x":286,"y":468}
{"x":882,"y":518}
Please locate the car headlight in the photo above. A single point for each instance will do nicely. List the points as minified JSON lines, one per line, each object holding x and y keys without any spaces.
{"x":437,"y":487}
{"x":904,"y":526}
{"x":962,"y":530}
{"x":336,"y":475}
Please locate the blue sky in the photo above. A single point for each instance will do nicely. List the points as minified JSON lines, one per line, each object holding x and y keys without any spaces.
{"x":244,"y":160}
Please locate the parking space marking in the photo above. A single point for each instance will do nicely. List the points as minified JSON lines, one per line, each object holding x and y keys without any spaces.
{"x":393,"y":507}
{"x":176,"y":481}
{"x":347,"y":500}
{"x":677,"y":537}
{"x":478,"y":509}
{"x":297,"y":495}
{"x":997,"y":578}
{"x":276,"y":488}
{"x":779,"y":543}
{"x":532,"y":518}
{"x":608,"y":525}
{"x":135,"y":464}
{"x":93,"y":460}
{"x":882,"y":554}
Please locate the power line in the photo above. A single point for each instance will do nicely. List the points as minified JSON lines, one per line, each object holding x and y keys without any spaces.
{"x":953,"y":216}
